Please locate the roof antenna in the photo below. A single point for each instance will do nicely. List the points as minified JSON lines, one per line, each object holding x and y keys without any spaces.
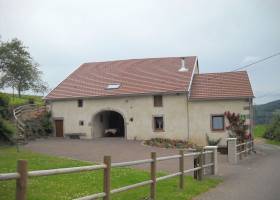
{"x":183,"y":66}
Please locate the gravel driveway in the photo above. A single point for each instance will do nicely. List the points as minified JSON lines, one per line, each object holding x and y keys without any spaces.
{"x":120,"y":149}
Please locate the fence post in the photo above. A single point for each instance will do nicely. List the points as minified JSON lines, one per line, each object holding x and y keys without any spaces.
{"x":181,"y":168}
{"x":214,"y":149}
{"x":200,"y":160}
{"x":250,"y":147}
{"x":195,"y":164}
{"x":232,"y":156}
{"x":153,"y":175}
{"x":245,"y":149}
{"x":107,"y":178}
{"x":21,"y":183}
{"x":241,"y":148}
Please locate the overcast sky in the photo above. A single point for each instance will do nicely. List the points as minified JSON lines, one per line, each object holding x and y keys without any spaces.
{"x":61,"y":35}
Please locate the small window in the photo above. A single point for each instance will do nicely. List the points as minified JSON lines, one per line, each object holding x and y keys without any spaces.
{"x":80,"y":103}
{"x":113,"y":86}
{"x":81,"y":122}
{"x":218,"y":122}
{"x":158,"y":101}
{"x":158,"y":124}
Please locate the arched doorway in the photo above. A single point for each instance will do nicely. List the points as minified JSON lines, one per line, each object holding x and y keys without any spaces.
{"x":108,"y":123}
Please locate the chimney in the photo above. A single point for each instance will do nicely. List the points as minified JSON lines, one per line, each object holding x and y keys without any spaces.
{"x":183,"y":66}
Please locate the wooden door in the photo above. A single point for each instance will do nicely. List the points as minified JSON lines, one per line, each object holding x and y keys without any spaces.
{"x":59,"y":127}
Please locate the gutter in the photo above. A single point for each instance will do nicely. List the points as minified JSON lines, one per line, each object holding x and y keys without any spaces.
{"x":188,"y":97}
{"x":115,"y":96}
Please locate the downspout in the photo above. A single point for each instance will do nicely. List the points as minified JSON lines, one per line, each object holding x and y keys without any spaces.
{"x":188,"y":92}
{"x":251,"y":117}
{"x":188,"y":117}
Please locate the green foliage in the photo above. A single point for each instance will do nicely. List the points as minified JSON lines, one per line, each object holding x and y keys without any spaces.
{"x":46,"y":123}
{"x":24,"y":99}
{"x":64,"y":187}
{"x":4,"y":105}
{"x":273,"y":142}
{"x":168,"y":143}
{"x":31,"y":100}
{"x":263,"y":114}
{"x":7,"y":127}
{"x":212,"y":142}
{"x":273,"y":130}
{"x":259,"y":130}
{"x":19,"y":70}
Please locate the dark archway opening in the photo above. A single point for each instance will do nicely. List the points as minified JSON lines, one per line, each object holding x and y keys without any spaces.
{"x":110,"y":124}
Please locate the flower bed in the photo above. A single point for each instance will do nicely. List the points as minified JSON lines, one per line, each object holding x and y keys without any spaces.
{"x":168,"y":143}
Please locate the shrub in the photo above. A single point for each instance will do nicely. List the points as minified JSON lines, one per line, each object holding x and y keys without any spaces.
{"x":31,"y":100}
{"x":4,"y":105}
{"x":47,"y":123}
{"x":212,"y":142}
{"x":7,"y":127}
{"x":237,"y":126}
{"x":168,"y":143}
{"x":273,"y":130}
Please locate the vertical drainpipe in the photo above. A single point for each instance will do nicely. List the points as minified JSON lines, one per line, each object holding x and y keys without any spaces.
{"x":251,"y":117}
{"x":188,"y":117}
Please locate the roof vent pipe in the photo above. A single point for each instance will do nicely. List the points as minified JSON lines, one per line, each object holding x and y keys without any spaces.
{"x":183,"y":66}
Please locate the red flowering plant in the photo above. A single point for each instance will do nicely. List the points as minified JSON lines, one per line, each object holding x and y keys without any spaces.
{"x":237,"y":126}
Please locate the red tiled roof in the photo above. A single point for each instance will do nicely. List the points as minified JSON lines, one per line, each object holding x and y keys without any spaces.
{"x":221,"y":85}
{"x":136,"y":76}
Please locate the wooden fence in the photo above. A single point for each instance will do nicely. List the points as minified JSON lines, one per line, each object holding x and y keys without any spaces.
{"x":23,"y":174}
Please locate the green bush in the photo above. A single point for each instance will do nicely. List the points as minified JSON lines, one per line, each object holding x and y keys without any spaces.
{"x":169,"y":143}
{"x":47,"y":123}
{"x":31,"y":100}
{"x":273,"y":130}
{"x":212,"y":142}
{"x":7,"y":127}
{"x":4,"y":105}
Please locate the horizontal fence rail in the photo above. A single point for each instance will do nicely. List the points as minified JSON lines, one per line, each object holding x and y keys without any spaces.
{"x":200,"y":164}
{"x":238,"y":150}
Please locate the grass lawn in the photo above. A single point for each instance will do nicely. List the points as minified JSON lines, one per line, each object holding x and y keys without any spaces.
{"x":75,"y":185}
{"x":274,"y":142}
{"x":16,"y":101}
{"x":259,"y":131}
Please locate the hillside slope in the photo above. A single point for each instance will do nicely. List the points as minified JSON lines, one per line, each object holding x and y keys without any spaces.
{"x":263,"y":113}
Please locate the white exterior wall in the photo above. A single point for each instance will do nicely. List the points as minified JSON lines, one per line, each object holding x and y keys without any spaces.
{"x":140,"y":108}
{"x":200,"y":118}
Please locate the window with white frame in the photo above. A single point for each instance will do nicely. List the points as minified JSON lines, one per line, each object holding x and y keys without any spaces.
{"x":158,"y":123}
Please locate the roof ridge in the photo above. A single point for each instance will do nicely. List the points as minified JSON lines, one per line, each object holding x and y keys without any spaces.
{"x":131,"y":59}
{"x":222,"y":72}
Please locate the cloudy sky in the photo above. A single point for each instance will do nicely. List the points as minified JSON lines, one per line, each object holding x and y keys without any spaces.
{"x":224,"y":35}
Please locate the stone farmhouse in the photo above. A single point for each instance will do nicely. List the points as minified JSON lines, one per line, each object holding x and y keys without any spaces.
{"x":140,"y":99}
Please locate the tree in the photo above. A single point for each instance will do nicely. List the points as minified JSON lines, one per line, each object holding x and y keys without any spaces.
{"x":19,"y":71}
{"x":273,"y":129}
